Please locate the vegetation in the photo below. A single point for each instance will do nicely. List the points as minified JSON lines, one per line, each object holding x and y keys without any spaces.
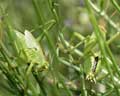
{"x":59,"y":48}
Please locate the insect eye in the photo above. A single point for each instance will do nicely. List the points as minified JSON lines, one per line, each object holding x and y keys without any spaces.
{"x":28,"y":63}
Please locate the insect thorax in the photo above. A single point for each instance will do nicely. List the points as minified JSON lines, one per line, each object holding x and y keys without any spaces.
{"x":34,"y":56}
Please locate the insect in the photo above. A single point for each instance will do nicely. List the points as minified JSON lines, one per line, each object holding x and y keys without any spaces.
{"x":91,"y":75}
{"x":95,"y":64}
{"x":30,"y":51}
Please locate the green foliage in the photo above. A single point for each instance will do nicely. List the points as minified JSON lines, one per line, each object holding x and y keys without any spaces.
{"x":71,"y":48}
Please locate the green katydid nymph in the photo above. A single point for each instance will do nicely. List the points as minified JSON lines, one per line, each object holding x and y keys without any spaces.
{"x":30,"y":51}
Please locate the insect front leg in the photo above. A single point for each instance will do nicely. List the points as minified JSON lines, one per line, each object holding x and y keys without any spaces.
{"x":29,"y":69}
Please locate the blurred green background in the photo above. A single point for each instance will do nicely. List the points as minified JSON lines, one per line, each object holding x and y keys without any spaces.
{"x":68,"y":17}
